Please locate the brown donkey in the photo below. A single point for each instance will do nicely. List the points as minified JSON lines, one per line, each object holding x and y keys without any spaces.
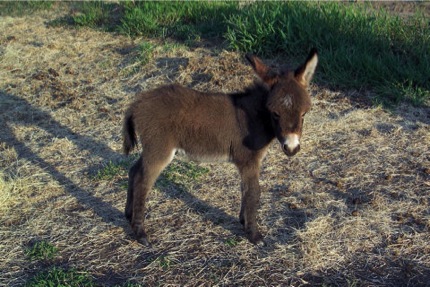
{"x":216,"y":127}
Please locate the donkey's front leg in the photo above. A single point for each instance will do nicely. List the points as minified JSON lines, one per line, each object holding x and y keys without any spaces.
{"x":250,"y":202}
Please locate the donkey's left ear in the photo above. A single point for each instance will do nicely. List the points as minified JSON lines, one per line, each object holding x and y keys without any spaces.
{"x":305,"y":72}
{"x":267,"y":74}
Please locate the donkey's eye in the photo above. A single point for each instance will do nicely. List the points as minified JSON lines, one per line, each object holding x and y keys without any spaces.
{"x":276,"y":116}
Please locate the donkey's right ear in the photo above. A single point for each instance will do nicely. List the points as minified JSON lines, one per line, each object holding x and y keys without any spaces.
{"x":305,"y":72}
{"x":262,"y":70}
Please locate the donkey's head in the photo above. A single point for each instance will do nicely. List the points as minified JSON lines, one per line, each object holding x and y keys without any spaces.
{"x":288,"y":100}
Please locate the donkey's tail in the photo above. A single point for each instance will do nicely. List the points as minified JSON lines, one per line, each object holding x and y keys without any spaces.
{"x":128,"y":133}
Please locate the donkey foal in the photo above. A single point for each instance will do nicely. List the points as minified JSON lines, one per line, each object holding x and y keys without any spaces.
{"x":213,"y":126}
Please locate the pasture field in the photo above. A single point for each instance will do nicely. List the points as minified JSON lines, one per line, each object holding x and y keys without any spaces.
{"x":351,"y":209}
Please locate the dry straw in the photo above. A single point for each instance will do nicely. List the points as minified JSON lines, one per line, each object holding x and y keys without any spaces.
{"x":351,"y":208}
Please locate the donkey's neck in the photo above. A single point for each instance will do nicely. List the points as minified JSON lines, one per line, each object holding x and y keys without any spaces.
{"x":254,"y":98}
{"x":255,"y":117}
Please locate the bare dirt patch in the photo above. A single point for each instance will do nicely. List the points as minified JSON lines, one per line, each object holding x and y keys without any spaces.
{"x":403,"y":8}
{"x":350,"y":209}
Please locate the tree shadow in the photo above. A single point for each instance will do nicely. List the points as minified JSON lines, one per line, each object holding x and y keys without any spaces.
{"x":44,"y":120}
{"x":108,"y":213}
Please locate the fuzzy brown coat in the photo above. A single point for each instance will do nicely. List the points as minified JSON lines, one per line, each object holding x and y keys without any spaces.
{"x":216,"y":127}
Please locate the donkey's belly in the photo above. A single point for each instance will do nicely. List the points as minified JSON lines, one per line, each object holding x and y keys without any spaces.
{"x":203,"y":157}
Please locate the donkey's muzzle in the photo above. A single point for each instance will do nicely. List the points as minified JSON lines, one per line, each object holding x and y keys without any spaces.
{"x":290,"y":152}
{"x":291,"y":144}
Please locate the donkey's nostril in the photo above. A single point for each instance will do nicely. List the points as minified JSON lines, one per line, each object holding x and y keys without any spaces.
{"x":290,"y":152}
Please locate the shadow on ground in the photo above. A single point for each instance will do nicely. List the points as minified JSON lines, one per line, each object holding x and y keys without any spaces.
{"x":104,"y":210}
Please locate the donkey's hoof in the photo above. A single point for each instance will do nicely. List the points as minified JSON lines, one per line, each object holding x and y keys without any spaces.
{"x":140,"y":234}
{"x":144,"y":241}
{"x":256,"y":239}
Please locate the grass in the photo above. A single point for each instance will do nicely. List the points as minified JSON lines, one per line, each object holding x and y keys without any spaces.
{"x":351,"y":209}
{"x":180,"y":20}
{"x":94,"y":14}
{"x":113,"y":170}
{"x":146,"y":50}
{"x":164,"y":262}
{"x":21,"y":8}
{"x":188,"y":169}
{"x":360,"y":47}
{"x":41,"y":250}
{"x":54,"y":276}
{"x":182,"y":174}
{"x":232,"y":241}
{"x":59,"y":277}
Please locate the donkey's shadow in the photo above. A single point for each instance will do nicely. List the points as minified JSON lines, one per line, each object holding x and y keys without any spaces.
{"x":207,"y":211}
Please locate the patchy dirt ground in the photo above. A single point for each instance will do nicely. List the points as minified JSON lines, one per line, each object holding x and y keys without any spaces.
{"x":351,"y":209}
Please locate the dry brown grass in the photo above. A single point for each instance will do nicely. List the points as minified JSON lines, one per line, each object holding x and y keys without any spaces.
{"x":351,"y":209}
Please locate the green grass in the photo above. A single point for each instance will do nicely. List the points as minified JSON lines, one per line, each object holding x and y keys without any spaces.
{"x":146,"y":51}
{"x":113,"y":170}
{"x":179,"y":20}
{"x":20,"y":8}
{"x":185,"y":21}
{"x":95,"y":14}
{"x":188,"y":169}
{"x":359,"y":47}
{"x":54,"y":276}
{"x":130,"y":284}
{"x":41,"y":250}
{"x":182,"y":174}
{"x":164,"y":262}
{"x":232,"y":241}
{"x":59,"y":277}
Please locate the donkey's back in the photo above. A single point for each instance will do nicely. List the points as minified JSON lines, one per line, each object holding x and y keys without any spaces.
{"x":173,"y":117}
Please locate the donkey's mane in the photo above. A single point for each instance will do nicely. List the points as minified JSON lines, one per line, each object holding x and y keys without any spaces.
{"x":256,"y":88}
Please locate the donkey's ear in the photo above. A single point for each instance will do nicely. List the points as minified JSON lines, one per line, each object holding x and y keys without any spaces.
{"x":305,"y":72}
{"x":264,"y":72}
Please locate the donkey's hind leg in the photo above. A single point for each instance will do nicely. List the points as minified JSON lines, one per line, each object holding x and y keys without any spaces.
{"x":151,"y":165}
{"x":135,"y":169}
